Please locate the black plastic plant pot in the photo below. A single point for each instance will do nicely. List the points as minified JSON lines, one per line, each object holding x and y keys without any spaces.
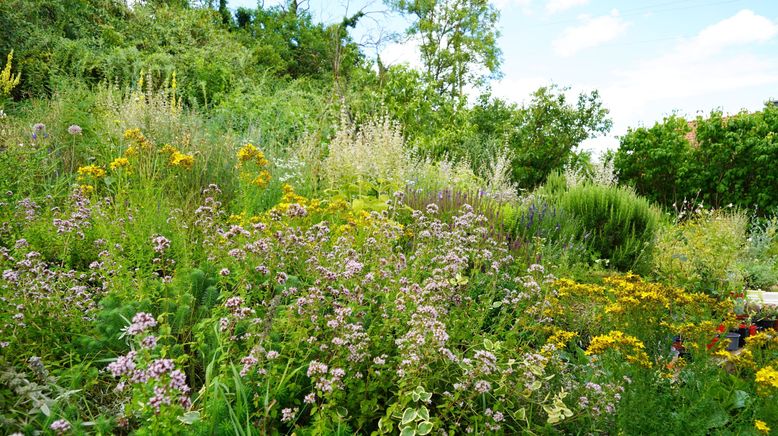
{"x":743,"y":335}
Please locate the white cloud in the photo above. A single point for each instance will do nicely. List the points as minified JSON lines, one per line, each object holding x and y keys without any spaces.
{"x":402,"y":53}
{"x":593,"y":32}
{"x":745,"y":27}
{"x":704,"y":68}
{"x":556,"y":6}
{"x":505,"y":5}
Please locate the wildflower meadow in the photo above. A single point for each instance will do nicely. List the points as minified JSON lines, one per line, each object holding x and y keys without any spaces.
{"x":295,"y":253}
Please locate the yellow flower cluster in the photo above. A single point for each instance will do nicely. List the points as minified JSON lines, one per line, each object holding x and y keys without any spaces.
{"x":742,"y":360}
{"x":176,"y":158}
{"x":7,"y":80}
{"x":761,"y":427}
{"x":763,"y":339}
{"x":119,"y":162}
{"x":262,"y":179}
{"x":86,"y":190}
{"x":767,"y":377}
{"x":630,"y":346}
{"x":570,"y":288}
{"x":137,"y":137}
{"x":179,"y":159}
{"x":560,"y":338}
{"x":90,"y":171}
{"x":250,"y":153}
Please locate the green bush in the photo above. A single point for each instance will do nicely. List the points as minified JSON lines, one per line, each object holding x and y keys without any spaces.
{"x":718,"y":160}
{"x":617,"y":224}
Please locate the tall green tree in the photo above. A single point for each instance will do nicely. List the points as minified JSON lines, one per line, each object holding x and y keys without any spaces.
{"x":458,"y":41}
{"x":542,"y":135}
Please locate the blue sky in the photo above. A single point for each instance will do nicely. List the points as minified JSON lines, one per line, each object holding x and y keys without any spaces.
{"x":647,"y":58}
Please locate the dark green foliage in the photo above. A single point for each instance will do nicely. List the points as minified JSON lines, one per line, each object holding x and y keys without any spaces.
{"x":618,"y":225}
{"x":549,"y":128}
{"x":655,"y":161}
{"x":732,"y":160}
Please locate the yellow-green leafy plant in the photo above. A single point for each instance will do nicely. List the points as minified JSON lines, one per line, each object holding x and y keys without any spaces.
{"x":702,"y":252}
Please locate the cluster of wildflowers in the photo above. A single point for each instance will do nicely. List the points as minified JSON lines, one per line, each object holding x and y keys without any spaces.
{"x":152,"y":384}
{"x":176,"y":158}
{"x":630,"y":346}
{"x":137,"y":141}
{"x":88,"y":176}
{"x":250,"y":154}
{"x":163,"y":263}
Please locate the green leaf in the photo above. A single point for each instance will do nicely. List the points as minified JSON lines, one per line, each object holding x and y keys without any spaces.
{"x":385,"y":425}
{"x":423,"y":413}
{"x":408,"y":416}
{"x":717,"y":420}
{"x":424,"y":428}
{"x":520,"y":415}
{"x":190,"y":418}
{"x":408,"y":431}
{"x":741,"y":398}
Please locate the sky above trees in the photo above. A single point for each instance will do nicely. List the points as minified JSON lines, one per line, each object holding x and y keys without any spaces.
{"x":646,"y":58}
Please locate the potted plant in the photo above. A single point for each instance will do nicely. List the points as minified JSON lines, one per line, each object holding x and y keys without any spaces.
{"x":740,"y":305}
{"x":767,"y":316}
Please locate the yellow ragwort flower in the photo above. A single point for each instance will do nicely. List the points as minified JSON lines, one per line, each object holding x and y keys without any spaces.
{"x":767,"y":377}
{"x":248,"y":153}
{"x":92,"y":171}
{"x":137,"y":136}
{"x":560,"y":338}
{"x":761,"y":427}
{"x":119,"y":162}
{"x":178,"y":159}
{"x":630,"y":346}
{"x":86,"y":189}
{"x":168,"y":149}
{"x":262,"y":179}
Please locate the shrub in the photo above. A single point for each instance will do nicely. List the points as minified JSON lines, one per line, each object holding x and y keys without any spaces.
{"x":701,"y":252}
{"x":618,"y":223}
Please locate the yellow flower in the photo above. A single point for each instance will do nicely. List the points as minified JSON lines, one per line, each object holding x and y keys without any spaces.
{"x":136,"y":136}
{"x":168,"y":149}
{"x":178,"y":159}
{"x":250,"y":152}
{"x":119,"y":162}
{"x":262,"y":179}
{"x":561,"y":338}
{"x":86,"y":189}
{"x":631,"y":347}
{"x":767,"y":377}
{"x":93,"y":171}
{"x":761,"y":427}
